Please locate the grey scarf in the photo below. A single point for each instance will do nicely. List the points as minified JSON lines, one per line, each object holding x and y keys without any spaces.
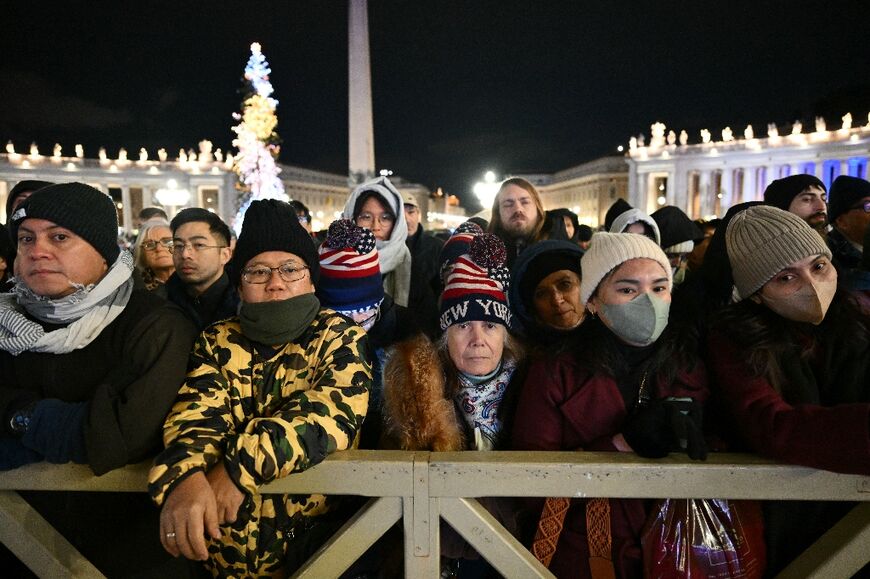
{"x":85,"y":313}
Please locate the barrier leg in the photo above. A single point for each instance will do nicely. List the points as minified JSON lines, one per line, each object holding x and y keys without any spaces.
{"x":353,"y":539}
{"x":38,"y":544}
{"x":491,"y":539}
{"x":840,"y":552}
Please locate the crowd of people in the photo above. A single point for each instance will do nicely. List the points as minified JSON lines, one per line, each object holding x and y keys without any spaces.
{"x":232,"y":362}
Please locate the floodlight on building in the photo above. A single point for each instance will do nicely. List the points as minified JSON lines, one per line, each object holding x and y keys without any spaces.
{"x":620,"y":148}
{"x":486,"y":190}
{"x":171,"y":195}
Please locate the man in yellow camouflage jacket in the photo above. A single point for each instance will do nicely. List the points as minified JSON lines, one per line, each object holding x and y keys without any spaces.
{"x":268,"y":393}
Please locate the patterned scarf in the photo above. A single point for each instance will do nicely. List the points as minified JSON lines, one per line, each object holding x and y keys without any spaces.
{"x":85,"y":313}
{"x":480,"y":404}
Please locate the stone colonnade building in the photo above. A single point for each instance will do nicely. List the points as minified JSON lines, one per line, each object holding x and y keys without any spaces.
{"x":588,"y":189}
{"x":706,"y":179}
{"x":203,"y":180}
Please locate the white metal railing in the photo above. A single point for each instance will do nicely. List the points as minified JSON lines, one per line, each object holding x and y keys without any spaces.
{"x":421,"y":488}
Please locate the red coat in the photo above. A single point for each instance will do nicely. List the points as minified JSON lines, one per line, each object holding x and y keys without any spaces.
{"x":563,"y":406}
{"x":835,"y":438}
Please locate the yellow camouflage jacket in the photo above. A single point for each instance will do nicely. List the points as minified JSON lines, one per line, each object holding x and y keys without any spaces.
{"x":265,"y":417}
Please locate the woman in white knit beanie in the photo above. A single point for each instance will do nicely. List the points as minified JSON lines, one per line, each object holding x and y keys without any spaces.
{"x":620,"y":385}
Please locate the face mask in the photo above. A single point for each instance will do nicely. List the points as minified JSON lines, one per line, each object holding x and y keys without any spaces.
{"x":808,"y":304}
{"x":279,"y":322}
{"x":639,"y":322}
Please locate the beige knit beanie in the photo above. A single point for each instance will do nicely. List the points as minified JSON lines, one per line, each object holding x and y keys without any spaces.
{"x":607,"y":251}
{"x":763,"y":240}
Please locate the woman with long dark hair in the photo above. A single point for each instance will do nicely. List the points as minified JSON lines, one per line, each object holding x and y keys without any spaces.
{"x":790,"y":364}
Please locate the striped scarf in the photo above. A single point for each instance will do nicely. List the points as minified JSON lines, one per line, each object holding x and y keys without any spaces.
{"x":86,"y":312}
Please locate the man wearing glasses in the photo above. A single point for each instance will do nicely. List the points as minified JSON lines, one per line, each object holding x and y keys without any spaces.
{"x":850,"y":214}
{"x":269,"y":393}
{"x":200,"y":250}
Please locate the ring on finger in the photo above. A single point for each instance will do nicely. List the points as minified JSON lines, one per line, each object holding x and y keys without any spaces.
{"x":170,"y":535}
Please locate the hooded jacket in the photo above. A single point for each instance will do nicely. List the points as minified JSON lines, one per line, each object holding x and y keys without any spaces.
{"x":524,"y":317}
{"x":631,"y":216}
{"x":394,"y":255}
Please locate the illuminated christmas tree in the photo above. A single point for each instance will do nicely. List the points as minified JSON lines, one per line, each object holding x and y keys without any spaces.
{"x":257,"y":142}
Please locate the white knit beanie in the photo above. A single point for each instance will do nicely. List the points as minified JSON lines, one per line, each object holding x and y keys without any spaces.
{"x":607,"y":251}
{"x":763,"y":240}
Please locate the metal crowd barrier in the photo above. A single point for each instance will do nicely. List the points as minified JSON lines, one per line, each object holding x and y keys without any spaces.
{"x":420,"y":488}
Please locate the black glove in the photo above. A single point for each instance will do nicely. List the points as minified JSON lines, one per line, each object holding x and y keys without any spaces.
{"x":648,"y":431}
{"x":685,"y":420}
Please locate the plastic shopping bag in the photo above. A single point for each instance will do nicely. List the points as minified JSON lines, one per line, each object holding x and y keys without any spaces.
{"x":704,"y":538}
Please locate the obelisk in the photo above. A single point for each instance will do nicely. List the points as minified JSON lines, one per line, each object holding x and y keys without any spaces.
{"x":361,"y":137}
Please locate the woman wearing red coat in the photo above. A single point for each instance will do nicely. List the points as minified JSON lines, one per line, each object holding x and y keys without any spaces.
{"x":790,"y":364}
{"x":616,"y":389}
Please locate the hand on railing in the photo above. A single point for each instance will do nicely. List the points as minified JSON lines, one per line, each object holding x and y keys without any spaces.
{"x":659,"y":427}
{"x":189,"y":511}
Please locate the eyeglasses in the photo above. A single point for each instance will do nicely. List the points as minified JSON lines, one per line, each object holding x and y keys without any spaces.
{"x":152,"y":244}
{"x":288,"y":272}
{"x":302,"y":219}
{"x":366,"y":219}
{"x":865,"y":206}
{"x":197,"y":247}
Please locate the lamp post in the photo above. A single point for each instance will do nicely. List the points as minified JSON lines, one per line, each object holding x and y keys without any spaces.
{"x":173,"y":197}
{"x":486,"y":190}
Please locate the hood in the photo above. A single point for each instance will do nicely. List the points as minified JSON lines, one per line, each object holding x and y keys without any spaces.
{"x":676,"y":227}
{"x":523,"y":319}
{"x":621,"y":223}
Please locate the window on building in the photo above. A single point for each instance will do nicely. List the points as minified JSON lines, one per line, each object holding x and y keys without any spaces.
{"x":830,"y":171}
{"x":136,"y":196}
{"x":208,"y":199}
{"x":857,"y":167}
{"x":694,"y":195}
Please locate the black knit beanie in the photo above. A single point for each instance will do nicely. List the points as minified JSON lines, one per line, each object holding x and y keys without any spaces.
{"x":619,"y":207}
{"x":845,"y":192}
{"x":781,"y":192}
{"x":545,"y":264}
{"x":20,"y":188}
{"x":87,"y":212}
{"x":272,"y":225}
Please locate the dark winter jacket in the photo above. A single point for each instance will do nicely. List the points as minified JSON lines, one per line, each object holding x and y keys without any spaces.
{"x":425,"y":285}
{"x":219,"y":302}
{"x":566,"y":406}
{"x":846,"y":256}
{"x":820,"y":416}
{"x":129,"y":377}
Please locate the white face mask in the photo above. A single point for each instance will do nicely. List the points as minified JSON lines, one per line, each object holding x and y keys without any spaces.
{"x":808,"y":304}
{"x":639,"y":322}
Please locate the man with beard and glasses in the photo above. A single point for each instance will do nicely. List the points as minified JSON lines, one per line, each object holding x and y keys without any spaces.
{"x":803,"y":195}
{"x":517,"y":216}
{"x":850,"y":216}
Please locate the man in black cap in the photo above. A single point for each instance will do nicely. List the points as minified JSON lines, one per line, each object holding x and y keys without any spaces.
{"x":425,"y":252}
{"x":89,"y":367}
{"x":850,"y":216}
{"x":270,"y":392}
{"x":804,"y":195}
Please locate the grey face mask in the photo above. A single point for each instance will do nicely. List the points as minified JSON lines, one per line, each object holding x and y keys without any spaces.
{"x":639,"y":322}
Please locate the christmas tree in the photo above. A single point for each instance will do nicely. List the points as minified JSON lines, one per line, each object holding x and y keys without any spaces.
{"x":257,"y":142}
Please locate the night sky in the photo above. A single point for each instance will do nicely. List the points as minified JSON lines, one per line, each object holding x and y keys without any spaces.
{"x":459,"y":87}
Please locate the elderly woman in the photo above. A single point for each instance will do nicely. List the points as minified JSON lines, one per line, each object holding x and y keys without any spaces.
{"x":449,"y":397}
{"x":377,"y":205}
{"x":269,"y":393}
{"x":790,"y":361}
{"x":152,"y":255}
{"x":545,"y":293}
{"x":624,"y":385}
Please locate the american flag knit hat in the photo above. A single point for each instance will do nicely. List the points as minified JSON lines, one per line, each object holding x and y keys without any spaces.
{"x":350,"y":273}
{"x":475,"y":281}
